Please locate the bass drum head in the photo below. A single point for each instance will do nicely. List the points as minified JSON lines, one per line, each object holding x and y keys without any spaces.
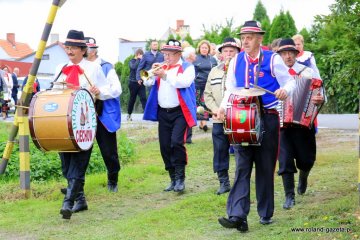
{"x":82,"y":119}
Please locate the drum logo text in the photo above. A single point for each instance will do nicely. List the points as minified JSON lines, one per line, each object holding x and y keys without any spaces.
{"x":51,"y":107}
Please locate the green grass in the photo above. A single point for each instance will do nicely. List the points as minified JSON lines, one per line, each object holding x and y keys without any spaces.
{"x":141,"y":210}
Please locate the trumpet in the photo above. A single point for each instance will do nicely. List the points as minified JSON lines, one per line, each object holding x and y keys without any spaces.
{"x":146,"y":75}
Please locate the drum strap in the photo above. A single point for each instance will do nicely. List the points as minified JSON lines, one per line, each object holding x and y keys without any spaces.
{"x":57,"y":77}
{"x":258,"y":68}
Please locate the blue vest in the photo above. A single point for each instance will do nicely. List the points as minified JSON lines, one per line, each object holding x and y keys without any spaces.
{"x":111,"y":114}
{"x":245,"y":69}
{"x":186,"y":98}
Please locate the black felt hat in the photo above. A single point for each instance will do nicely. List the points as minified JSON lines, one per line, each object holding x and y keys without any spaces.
{"x":287,"y":44}
{"x":75,"y":38}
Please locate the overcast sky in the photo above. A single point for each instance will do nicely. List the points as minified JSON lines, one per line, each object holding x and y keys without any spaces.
{"x":108,"y":20}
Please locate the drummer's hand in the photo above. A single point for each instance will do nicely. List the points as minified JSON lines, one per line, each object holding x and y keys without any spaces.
{"x":281,"y":94}
{"x":94,"y":90}
{"x":317,"y":100}
{"x":220,"y":114}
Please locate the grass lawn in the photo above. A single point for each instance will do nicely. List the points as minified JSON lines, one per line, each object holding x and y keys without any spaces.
{"x":142,"y":210}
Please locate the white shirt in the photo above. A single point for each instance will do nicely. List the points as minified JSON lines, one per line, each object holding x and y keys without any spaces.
{"x":281,"y":73}
{"x":167,"y":96}
{"x":114,"y":87}
{"x":93,"y":72}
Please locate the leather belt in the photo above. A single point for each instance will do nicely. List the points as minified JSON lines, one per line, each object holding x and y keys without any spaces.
{"x":271,"y":111}
{"x":174,"y":109}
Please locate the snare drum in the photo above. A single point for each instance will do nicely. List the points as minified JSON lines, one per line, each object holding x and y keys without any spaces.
{"x":63,"y":120}
{"x":243,"y":120}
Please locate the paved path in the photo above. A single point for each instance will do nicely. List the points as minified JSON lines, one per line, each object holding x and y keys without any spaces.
{"x":334,"y":121}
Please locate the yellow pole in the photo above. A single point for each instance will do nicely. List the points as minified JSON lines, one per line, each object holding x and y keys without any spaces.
{"x":21,"y":117}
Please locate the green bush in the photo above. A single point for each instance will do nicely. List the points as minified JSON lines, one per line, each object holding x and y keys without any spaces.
{"x":47,"y":165}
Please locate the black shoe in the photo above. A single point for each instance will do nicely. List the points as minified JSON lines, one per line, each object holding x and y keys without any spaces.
{"x":80,"y":206}
{"x":238,"y":223}
{"x":179,"y":185}
{"x":170,"y":187}
{"x":289,"y":201}
{"x":205,"y":128}
{"x":265,"y":220}
{"x":112,"y":187}
{"x":302,"y":185}
{"x":223,"y":177}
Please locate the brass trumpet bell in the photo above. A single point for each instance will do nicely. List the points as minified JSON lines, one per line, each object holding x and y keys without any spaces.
{"x":146,"y":75}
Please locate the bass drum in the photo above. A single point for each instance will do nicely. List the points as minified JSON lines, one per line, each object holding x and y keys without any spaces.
{"x":63,"y":120}
{"x":243,"y":120}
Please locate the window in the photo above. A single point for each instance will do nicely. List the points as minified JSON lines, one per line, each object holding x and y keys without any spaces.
{"x":45,"y":57}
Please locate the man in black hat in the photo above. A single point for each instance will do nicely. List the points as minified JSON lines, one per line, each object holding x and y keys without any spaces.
{"x":78,"y":72}
{"x":109,"y":119}
{"x":213,"y":95}
{"x":172,"y":104}
{"x":267,"y":70}
{"x":297,"y":142}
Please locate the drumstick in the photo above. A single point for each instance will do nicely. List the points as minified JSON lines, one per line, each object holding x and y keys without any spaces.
{"x":258,"y":87}
{"x":88,"y":80}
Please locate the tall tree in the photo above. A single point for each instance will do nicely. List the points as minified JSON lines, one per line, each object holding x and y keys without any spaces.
{"x":283,"y":26}
{"x":336,"y":45}
{"x":261,"y":16}
{"x":260,"y":13}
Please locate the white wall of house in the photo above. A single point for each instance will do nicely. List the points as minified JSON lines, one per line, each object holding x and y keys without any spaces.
{"x":4,"y":55}
{"x":127,"y":48}
{"x":52,"y":57}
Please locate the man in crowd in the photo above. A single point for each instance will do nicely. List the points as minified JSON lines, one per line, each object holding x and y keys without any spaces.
{"x":267,"y":70}
{"x":109,"y":117}
{"x":172,"y":104}
{"x":297,"y":142}
{"x":213,"y":95}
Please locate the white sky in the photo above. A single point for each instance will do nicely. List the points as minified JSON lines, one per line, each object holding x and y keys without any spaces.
{"x":108,"y":20}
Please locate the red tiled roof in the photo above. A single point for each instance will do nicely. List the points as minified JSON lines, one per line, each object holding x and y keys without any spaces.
{"x":16,"y":51}
{"x":23,"y":66}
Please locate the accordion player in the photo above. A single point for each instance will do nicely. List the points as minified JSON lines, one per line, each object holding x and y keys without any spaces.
{"x":303,"y":105}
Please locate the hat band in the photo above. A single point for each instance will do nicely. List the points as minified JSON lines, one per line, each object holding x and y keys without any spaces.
{"x":75,"y":40}
{"x":91,"y":45}
{"x":171,"y":47}
{"x":288,"y":46}
{"x":251,"y":29}
{"x":229,"y":43}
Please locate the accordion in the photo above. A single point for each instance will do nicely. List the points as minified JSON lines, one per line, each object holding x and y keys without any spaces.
{"x":298,"y":107}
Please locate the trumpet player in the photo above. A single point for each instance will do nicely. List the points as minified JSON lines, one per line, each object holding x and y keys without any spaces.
{"x":213,"y":95}
{"x":172,"y":103}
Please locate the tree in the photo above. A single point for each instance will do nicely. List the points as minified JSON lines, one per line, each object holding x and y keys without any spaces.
{"x":336,"y":45}
{"x":218,"y":33}
{"x":260,"y":13}
{"x":261,"y":16}
{"x":283,"y":26}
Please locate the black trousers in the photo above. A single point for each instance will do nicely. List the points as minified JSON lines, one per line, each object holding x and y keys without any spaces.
{"x":221,"y":148}
{"x":108,"y":147}
{"x":172,"y":137}
{"x":264,"y":157}
{"x":74,"y":164}
{"x":135,"y":90}
{"x":297,"y":149}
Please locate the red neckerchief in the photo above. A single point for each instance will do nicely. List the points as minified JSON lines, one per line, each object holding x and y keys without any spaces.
{"x":254,"y":61}
{"x":292,"y":72}
{"x":72,"y":75}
